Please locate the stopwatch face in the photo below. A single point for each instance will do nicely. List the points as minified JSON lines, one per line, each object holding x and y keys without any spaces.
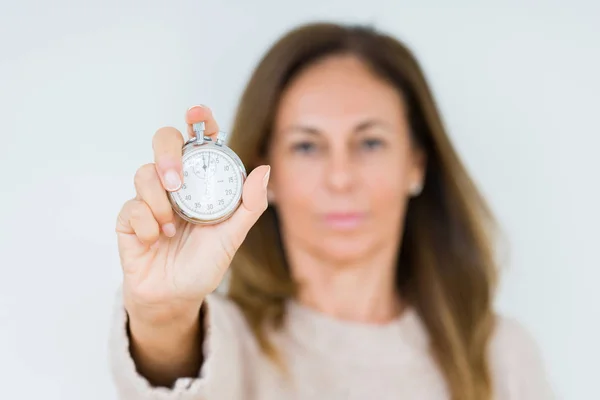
{"x":212,"y":185}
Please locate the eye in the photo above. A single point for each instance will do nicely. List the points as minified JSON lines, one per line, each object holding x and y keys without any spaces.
{"x":372,"y":144}
{"x":304,"y":147}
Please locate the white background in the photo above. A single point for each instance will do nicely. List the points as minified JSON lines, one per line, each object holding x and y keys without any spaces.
{"x":84,"y":85}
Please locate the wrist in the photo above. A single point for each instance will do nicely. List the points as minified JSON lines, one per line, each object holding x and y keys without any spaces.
{"x":161,"y":314}
{"x":162,"y":319}
{"x":172,"y":341}
{"x":164,"y":332}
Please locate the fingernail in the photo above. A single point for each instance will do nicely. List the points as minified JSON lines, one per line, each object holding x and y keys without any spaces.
{"x":266,"y":178}
{"x":169,"y":229}
{"x":172,"y":180}
{"x":197,"y":105}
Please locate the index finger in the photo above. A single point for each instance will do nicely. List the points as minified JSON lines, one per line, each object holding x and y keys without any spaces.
{"x":167,"y":144}
{"x":204,"y":114}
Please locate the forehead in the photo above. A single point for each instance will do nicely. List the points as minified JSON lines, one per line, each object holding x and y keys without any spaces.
{"x":338,"y":89}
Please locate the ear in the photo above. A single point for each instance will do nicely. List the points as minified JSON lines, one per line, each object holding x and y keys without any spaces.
{"x":270,"y":196}
{"x":418,"y":171}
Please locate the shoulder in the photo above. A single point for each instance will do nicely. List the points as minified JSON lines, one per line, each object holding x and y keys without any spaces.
{"x":225,"y":322}
{"x":516,"y":361}
{"x":224,"y":317}
{"x":512,"y":341}
{"x":220,"y":307}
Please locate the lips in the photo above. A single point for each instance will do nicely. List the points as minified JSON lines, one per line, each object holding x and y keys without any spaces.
{"x":344,"y":220}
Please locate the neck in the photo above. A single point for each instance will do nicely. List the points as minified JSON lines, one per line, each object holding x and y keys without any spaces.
{"x":361,"y":291}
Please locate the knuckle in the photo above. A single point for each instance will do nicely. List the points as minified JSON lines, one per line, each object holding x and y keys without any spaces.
{"x":228,"y":244}
{"x":164,"y":214}
{"x":123,"y":213}
{"x":127,"y":206}
{"x":148,"y":234}
{"x":145,"y":174}
{"x":138,"y":211}
{"x":162,"y":211}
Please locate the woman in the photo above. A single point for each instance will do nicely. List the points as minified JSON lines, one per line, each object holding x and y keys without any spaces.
{"x":361,"y":262}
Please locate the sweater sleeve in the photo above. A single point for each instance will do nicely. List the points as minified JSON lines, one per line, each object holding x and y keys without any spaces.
{"x":518,"y":365}
{"x":220,"y":377}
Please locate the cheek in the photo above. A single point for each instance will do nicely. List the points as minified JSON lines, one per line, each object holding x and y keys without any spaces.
{"x":296,"y":182}
{"x":386,"y":184}
{"x":295,"y":187}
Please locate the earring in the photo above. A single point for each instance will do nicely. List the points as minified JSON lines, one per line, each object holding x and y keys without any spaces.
{"x":270,"y":196}
{"x":416,"y":189}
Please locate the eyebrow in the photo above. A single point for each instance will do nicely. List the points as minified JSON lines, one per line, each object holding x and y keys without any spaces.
{"x":362,"y":126}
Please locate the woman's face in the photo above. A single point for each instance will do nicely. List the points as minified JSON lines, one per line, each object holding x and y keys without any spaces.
{"x":342,"y":161}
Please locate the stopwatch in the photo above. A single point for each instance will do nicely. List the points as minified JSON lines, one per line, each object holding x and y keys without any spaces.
{"x":213,"y":179}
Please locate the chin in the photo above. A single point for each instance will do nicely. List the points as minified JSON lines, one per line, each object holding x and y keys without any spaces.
{"x":344,"y":250}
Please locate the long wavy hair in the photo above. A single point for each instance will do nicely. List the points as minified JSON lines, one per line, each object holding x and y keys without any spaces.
{"x":446,"y":266}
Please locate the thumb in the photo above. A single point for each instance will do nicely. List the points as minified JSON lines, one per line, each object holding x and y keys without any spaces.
{"x":254,"y":203}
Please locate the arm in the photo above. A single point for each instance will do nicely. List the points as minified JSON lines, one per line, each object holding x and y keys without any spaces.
{"x":216,"y":370}
{"x":156,"y":341}
{"x":165,"y":349}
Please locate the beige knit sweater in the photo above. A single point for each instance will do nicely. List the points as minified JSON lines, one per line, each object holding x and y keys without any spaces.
{"x":328,"y":359}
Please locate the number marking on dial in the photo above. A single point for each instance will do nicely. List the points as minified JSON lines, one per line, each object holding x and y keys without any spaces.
{"x":212,"y":184}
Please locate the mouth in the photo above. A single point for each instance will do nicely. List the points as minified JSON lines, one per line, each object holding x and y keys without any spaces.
{"x":344,"y":220}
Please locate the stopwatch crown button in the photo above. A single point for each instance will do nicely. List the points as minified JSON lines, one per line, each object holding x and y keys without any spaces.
{"x":199,"y":128}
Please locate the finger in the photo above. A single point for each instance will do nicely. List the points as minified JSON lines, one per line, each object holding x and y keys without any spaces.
{"x":137,"y":218}
{"x":201,"y":114}
{"x":167,"y":144}
{"x":150,"y":190}
{"x":254,"y":203}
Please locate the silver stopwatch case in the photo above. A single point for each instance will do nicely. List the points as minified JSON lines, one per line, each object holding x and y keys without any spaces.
{"x":213,"y":179}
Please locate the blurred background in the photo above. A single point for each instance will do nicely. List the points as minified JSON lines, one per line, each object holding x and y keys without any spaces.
{"x":85,"y":84}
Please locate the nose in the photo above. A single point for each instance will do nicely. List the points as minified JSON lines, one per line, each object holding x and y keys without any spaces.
{"x":340,"y":174}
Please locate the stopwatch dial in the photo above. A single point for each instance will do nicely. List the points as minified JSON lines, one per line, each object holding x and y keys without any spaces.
{"x":202,"y":166}
{"x":212,"y":184}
